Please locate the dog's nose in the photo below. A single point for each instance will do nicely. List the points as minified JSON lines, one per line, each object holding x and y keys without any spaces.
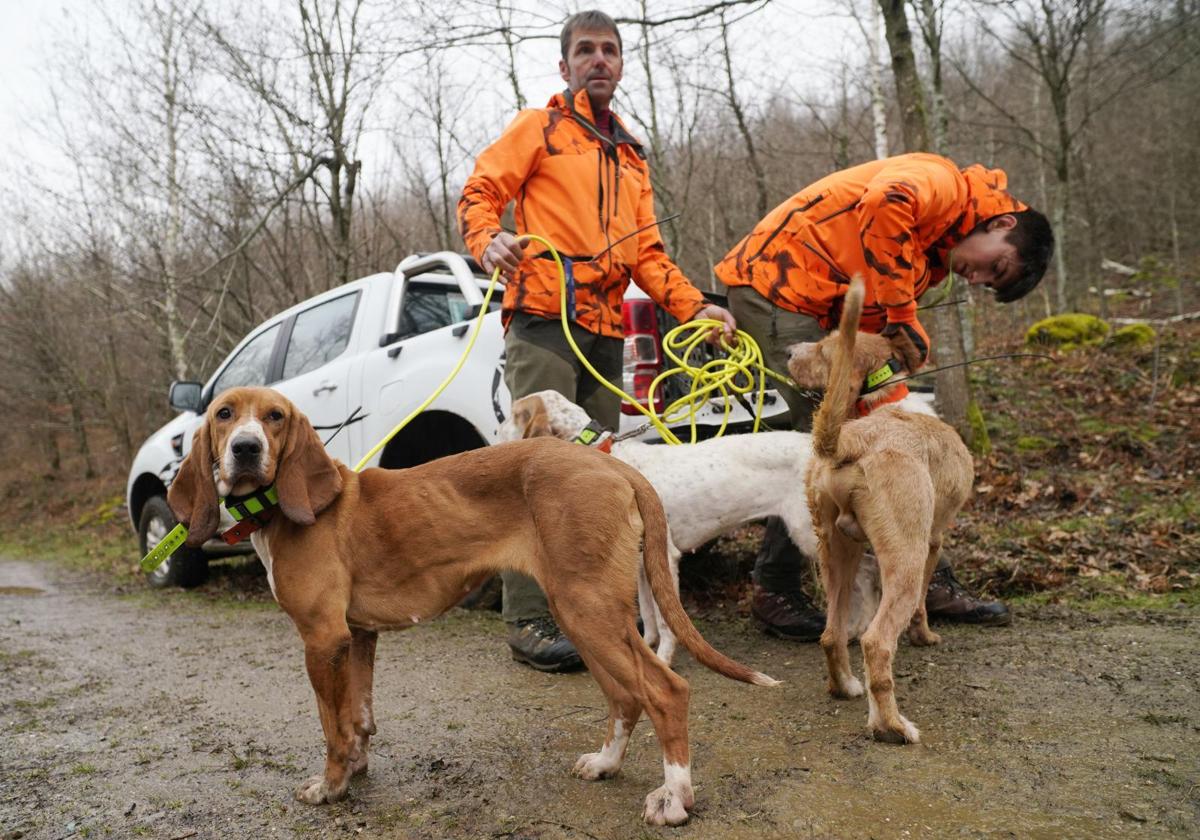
{"x":246,"y":449}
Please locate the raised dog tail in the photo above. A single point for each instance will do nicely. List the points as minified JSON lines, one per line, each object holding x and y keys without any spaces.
{"x":654,"y":557}
{"x":841,"y":391}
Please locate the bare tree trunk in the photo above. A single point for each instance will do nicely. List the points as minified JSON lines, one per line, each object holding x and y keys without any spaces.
{"x":929,"y":16}
{"x":760,"y":175}
{"x":80,"y":431}
{"x":169,"y":61}
{"x":510,"y":49}
{"x":878,"y":105}
{"x":870,"y":30}
{"x":658,"y":169}
{"x":904,"y":68}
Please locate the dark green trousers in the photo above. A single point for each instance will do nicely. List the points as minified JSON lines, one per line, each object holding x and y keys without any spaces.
{"x":538,"y":358}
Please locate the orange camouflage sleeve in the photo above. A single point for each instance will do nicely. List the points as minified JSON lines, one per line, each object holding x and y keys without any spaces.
{"x":656,"y":273}
{"x":500,"y":170}
{"x":889,"y":213}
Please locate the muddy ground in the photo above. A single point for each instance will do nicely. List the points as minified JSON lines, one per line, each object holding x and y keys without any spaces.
{"x":176,"y":715}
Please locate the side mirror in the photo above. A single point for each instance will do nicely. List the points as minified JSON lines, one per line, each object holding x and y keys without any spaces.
{"x":185,"y":396}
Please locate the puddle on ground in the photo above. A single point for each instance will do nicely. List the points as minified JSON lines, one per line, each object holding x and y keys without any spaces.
{"x":22,"y":591}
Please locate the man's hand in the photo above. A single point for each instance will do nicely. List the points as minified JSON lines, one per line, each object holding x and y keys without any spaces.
{"x":716,"y":313}
{"x":504,"y":251}
{"x":910,"y":343}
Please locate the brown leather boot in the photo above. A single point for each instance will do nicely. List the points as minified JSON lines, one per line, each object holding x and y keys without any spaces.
{"x":788,"y":615}
{"x":948,"y":600}
{"x":539,"y":644}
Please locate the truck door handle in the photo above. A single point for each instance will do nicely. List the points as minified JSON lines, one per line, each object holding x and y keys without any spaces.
{"x":325,"y":386}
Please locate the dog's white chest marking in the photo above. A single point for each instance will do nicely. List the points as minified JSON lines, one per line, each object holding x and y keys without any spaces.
{"x":259,"y":540}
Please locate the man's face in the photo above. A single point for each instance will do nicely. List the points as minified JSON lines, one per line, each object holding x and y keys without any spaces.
{"x":984,"y":258}
{"x":593,"y":62}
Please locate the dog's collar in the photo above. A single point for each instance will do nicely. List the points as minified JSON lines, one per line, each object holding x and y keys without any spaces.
{"x":863,"y":407}
{"x":251,"y":511}
{"x":876,"y":379}
{"x":596,"y":436}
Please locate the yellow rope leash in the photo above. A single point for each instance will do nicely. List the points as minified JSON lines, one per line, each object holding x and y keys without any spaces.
{"x":740,"y":373}
{"x":487,"y":298}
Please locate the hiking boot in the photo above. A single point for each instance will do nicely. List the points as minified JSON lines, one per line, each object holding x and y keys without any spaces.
{"x":788,"y":615}
{"x":539,"y":644}
{"x":949,"y":600}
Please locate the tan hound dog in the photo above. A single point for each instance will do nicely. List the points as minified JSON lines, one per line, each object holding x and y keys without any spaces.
{"x":349,"y":554}
{"x":707,"y":489}
{"x":892,"y":478}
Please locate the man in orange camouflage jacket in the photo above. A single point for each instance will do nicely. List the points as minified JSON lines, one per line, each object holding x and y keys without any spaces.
{"x":902,"y":223}
{"x":581,"y":180}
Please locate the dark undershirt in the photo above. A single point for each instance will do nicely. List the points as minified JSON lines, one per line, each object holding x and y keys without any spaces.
{"x":604,"y":122}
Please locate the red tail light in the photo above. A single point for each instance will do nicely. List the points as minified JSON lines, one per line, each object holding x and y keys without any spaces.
{"x":643,"y":356}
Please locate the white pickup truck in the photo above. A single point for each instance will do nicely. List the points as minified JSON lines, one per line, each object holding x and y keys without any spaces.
{"x":381,"y":345}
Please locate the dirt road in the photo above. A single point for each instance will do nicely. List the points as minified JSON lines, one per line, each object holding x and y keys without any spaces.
{"x":173,"y":715}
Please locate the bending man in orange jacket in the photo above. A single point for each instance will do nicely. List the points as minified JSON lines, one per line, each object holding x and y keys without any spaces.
{"x":581,"y":180}
{"x":902,"y":223}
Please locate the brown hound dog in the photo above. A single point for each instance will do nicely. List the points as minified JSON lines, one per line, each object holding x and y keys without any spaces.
{"x":893,"y":478}
{"x":349,"y":554}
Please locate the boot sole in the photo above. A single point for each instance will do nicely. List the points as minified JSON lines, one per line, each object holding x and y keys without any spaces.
{"x":1003,"y":620}
{"x":772,"y":630}
{"x":564,"y":667}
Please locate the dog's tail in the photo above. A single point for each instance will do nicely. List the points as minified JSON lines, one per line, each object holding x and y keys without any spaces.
{"x":841,"y":391}
{"x":654,"y":556}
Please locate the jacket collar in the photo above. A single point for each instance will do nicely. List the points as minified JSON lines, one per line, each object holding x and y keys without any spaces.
{"x":987,"y":196}
{"x":578,"y":106}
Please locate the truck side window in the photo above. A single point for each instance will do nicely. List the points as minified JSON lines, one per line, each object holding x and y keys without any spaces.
{"x":251,"y":365}
{"x":319,"y":335}
{"x":431,"y":307}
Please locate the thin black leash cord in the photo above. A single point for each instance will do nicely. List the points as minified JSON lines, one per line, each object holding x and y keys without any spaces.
{"x":655,"y":223}
{"x":345,"y":423}
{"x":971,"y":362}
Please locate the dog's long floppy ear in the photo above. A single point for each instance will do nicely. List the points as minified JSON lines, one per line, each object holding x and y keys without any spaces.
{"x":529,"y":414}
{"x":193,"y":493}
{"x":306,"y":478}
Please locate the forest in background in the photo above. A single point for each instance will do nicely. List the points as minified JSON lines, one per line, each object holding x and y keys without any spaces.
{"x":214,"y":163}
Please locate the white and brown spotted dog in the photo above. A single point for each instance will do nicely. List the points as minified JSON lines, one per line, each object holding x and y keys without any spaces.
{"x":893,"y":478}
{"x":706,"y":489}
{"x":350,"y":554}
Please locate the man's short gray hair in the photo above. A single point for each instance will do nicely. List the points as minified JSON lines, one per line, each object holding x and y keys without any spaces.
{"x":590,"y":21}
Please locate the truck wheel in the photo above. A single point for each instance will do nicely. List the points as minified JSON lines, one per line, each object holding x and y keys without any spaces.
{"x":187,"y":567}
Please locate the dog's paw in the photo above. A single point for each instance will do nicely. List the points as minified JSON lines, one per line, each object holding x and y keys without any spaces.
{"x":918,"y":637}
{"x":903,"y":732}
{"x":665,"y":807}
{"x":315,"y":791}
{"x":848,"y":689}
{"x":595,"y":766}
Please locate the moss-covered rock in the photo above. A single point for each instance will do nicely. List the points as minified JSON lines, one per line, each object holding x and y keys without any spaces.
{"x":1133,"y":336}
{"x":1066,"y":332}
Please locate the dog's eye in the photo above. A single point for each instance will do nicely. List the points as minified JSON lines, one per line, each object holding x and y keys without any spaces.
{"x":224,"y":412}
{"x":275,"y":415}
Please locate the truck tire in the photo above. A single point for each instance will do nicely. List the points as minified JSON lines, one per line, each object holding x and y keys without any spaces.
{"x":187,"y":567}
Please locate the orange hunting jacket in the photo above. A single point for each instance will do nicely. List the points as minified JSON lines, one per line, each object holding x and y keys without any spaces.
{"x":893,"y":221}
{"x":583,"y":192}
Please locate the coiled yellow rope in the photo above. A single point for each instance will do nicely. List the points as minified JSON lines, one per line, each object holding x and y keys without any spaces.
{"x":740,"y":373}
